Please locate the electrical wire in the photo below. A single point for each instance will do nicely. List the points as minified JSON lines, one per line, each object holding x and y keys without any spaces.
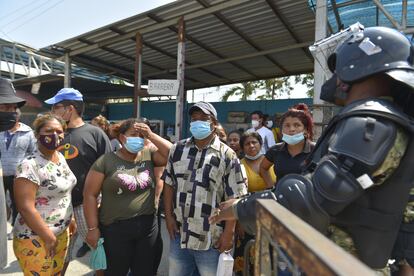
{"x":2,"y":17}
{"x":6,"y":35}
{"x":30,"y":19}
{"x":25,"y":14}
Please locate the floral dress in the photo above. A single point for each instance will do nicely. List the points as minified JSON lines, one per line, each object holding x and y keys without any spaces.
{"x":53,"y":197}
{"x":53,"y":202}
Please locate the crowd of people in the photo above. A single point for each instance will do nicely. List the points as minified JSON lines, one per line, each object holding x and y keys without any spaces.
{"x":67,"y":178}
{"x":104,"y":180}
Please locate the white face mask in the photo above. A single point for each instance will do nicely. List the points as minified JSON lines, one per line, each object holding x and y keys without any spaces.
{"x":257,"y":156}
{"x":255,"y":123}
{"x":269,"y":124}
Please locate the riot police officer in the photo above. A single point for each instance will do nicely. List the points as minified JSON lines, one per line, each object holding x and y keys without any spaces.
{"x":358,"y":180}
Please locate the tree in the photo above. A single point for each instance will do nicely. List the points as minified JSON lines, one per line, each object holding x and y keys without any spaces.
{"x":244,"y":90}
{"x":307,"y":80}
{"x":275,"y":88}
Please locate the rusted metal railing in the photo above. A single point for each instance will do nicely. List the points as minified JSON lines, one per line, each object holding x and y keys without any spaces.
{"x":285,"y":241}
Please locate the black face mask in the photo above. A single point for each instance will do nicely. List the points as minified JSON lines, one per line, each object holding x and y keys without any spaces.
{"x":7,"y":120}
{"x":334,"y":93}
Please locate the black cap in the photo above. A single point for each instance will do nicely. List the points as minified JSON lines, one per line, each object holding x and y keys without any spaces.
{"x":8,"y":93}
{"x":206,"y":108}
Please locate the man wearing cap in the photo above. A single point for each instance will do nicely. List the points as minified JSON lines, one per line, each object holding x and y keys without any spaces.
{"x":9,"y":103}
{"x":201,"y":173}
{"x":82,"y":146}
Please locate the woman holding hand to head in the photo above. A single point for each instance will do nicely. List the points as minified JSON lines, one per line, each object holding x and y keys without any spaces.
{"x":42,"y":189}
{"x":127,"y":214}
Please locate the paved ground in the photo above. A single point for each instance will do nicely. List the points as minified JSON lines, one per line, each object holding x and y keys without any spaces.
{"x":80,"y":265}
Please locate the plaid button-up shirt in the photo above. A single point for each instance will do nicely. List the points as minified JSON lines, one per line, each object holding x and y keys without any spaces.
{"x":202,"y":179}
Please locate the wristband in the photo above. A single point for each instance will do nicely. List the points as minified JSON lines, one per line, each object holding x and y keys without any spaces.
{"x":92,"y":228}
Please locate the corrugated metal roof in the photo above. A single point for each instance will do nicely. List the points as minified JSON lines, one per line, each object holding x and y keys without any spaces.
{"x":368,"y":14}
{"x":227,"y":41}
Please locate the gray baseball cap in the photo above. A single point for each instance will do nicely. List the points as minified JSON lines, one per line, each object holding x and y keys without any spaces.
{"x":206,"y":108}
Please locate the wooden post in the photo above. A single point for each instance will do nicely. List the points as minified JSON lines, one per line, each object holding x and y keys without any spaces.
{"x":67,"y":77}
{"x":179,"y":105}
{"x":138,"y":75}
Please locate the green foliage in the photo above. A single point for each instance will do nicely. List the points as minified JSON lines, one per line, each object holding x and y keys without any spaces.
{"x":307,"y":80}
{"x":274,"y":88}
{"x":244,"y":90}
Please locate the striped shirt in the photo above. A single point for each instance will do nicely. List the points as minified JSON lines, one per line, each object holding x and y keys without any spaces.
{"x":14,"y":147}
{"x":202,"y":179}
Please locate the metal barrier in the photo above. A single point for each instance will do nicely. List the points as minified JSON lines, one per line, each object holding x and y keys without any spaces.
{"x":283,"y":239}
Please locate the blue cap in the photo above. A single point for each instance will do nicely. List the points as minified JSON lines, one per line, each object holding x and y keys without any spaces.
{"x":65,"y":94}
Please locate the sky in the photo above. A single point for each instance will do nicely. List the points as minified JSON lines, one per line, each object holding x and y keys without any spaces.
{"x":40,"y":23}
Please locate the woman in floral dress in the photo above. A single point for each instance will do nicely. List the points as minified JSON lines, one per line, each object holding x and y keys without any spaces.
{"x":42,"y":190}
{"x":127,"y":214}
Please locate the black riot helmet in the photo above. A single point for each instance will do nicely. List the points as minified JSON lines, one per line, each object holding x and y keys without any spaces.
{"x":371,"y":51}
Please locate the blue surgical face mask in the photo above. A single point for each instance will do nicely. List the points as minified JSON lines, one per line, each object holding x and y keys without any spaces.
{"x":200,"y":129}
{"x":134,"y":144}
{"x":293,"y":139}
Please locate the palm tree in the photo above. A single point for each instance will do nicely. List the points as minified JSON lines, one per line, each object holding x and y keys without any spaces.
{"x":274,"y":88}
{"x":244,"y":91}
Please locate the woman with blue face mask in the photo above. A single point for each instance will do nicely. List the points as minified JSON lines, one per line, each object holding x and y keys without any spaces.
{"x":289,"y":155}
{"x":127,"y":214}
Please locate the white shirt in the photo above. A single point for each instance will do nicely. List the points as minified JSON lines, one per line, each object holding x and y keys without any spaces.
{"x":267,"y":137}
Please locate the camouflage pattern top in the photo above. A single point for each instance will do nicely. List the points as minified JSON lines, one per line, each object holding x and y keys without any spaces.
{"x":390,"y":164}
{"x":409,"y":210}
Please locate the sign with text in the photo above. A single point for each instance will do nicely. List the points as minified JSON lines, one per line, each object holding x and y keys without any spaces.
{"x":163,"y":87}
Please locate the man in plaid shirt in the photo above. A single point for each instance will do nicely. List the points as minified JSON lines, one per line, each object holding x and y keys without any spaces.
{"x":201,"y":173}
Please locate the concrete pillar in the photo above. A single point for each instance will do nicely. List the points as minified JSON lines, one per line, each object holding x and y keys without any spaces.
{"x":320,"y":115}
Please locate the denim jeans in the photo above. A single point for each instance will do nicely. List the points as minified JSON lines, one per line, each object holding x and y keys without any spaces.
{"x":186,"y":262}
